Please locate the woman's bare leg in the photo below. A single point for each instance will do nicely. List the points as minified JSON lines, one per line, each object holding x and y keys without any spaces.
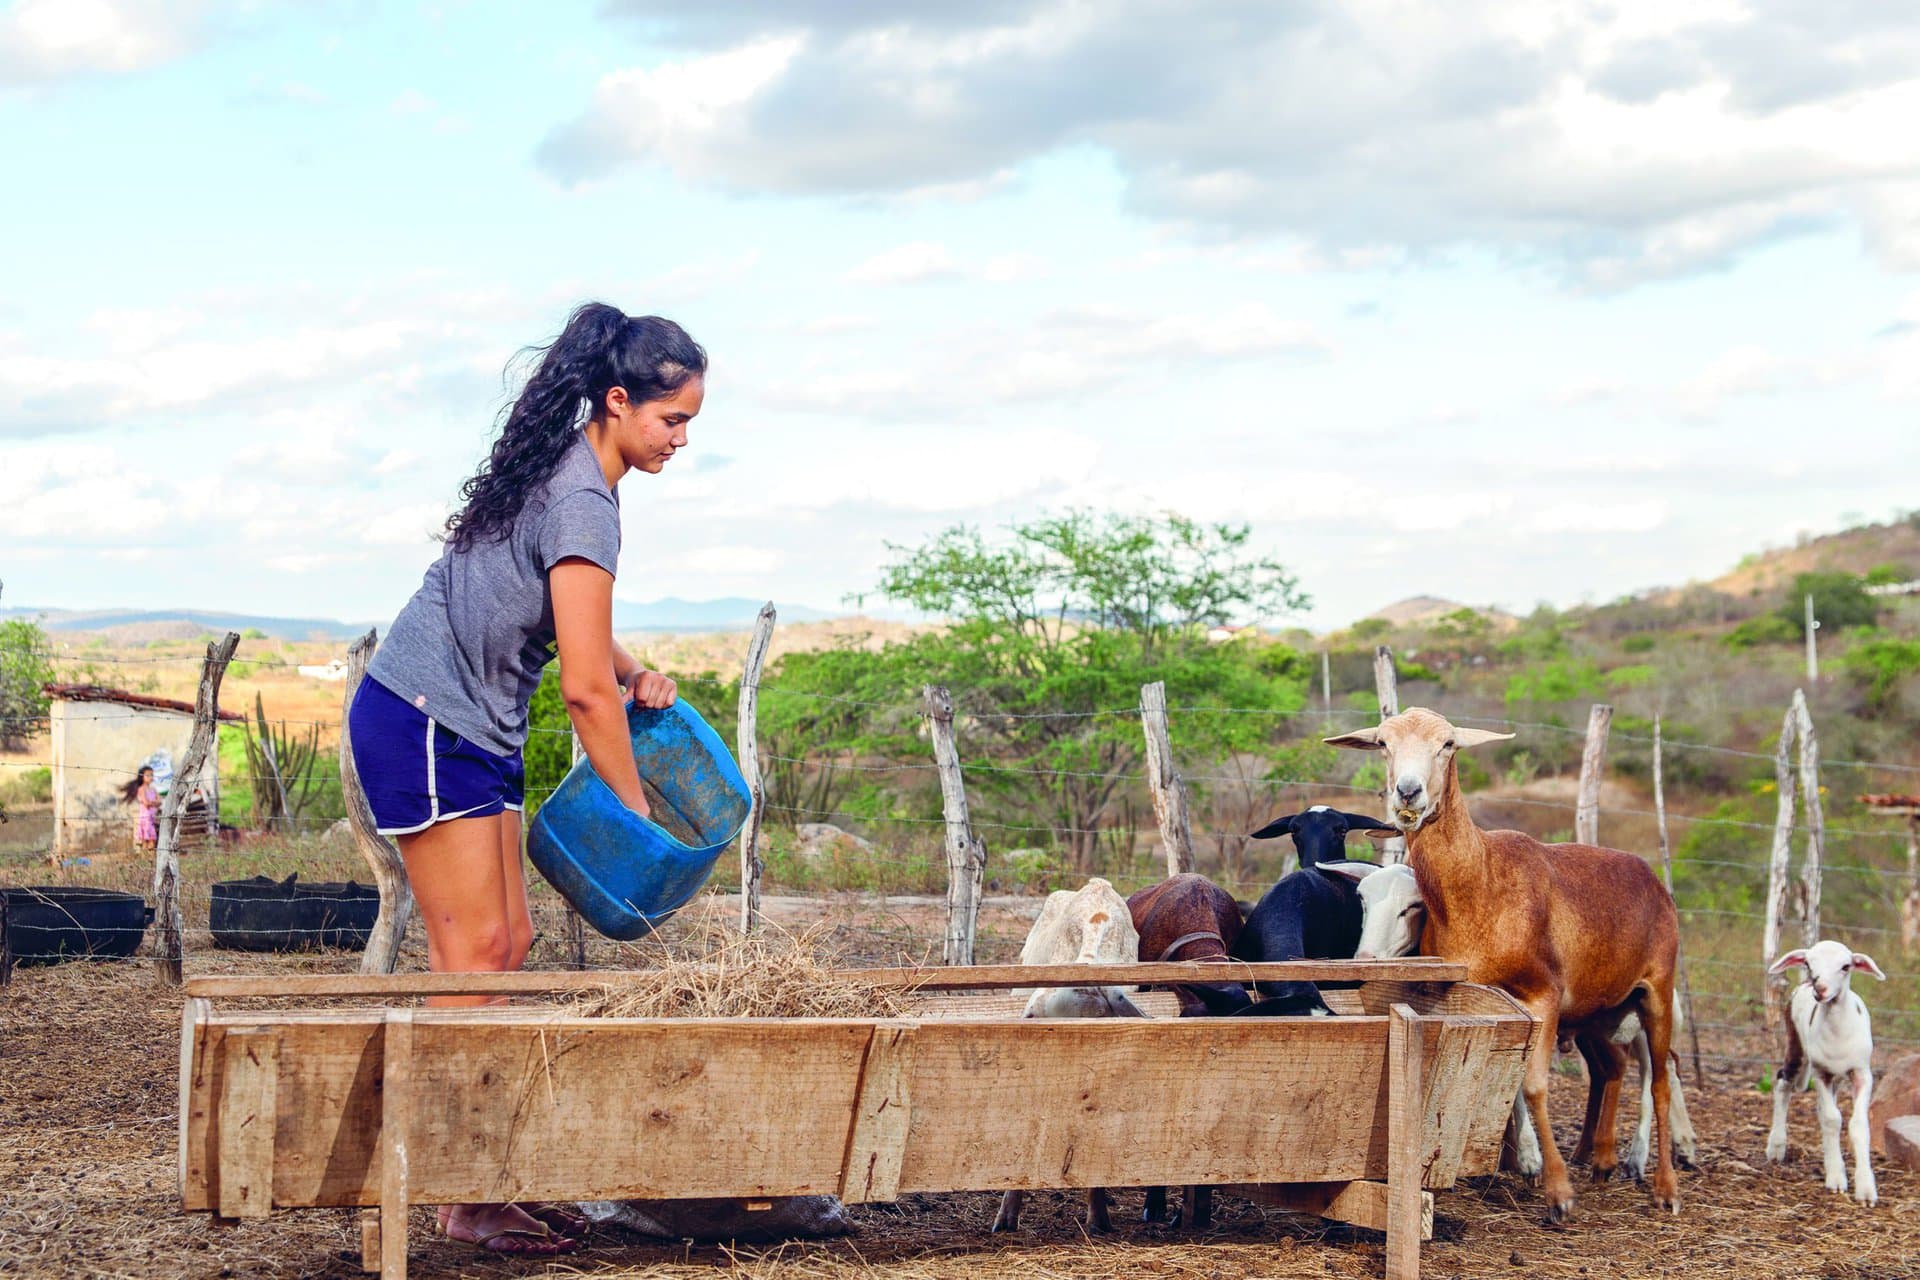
{"x":472,"y":900}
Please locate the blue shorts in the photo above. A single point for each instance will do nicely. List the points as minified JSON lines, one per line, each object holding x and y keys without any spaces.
{"x":416,"y":772}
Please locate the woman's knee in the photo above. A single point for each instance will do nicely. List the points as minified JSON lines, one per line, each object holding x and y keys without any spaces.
{"x":481,"y":946}
{"x":520,"y":932}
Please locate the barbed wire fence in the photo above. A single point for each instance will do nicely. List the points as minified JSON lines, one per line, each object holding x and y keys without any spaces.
{"x":1735,"y":911}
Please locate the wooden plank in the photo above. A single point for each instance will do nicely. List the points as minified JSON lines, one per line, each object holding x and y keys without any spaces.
{"x":397,"y":1084}
{"x":949,"y":978}
{"x":882,"y":1112}
{"x":370,"y":1240}
{"x":193,"y":1017}
{"x":248,"y":1112}
{"x":1359,"y":1204}
{"x":985,"y":1005}
{"x":1454,"y":1068}
{"x":1406,"y":1141}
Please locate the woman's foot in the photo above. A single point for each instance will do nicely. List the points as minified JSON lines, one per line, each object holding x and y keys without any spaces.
{"x":560,"y":1219}
{"x":503,"y":1228}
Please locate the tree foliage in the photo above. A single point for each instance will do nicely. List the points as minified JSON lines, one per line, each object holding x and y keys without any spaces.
{"x":1840,"y":600}
{"x":25,"y":670}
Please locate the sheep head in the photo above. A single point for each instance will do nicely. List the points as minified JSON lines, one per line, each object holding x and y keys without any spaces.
{"x":1419,"y":746}
{"x":1829,"y":966}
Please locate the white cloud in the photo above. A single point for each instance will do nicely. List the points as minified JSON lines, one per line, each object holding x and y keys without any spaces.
{"x":1616,"y":147}
{"x":1577,"y":515}
{"x":81,"y":496}
{"x":43,"y":40}
{"x":907,"y":264}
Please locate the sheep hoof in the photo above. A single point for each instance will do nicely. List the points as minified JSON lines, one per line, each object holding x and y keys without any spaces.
{"x":1604,"y":1172}
{"x":1559,"y":1211}
{"x":1005,"y":1224}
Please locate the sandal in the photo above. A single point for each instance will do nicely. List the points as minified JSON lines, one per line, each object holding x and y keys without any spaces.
{"x":521,"y":1243}
{"x":560,"y":1220}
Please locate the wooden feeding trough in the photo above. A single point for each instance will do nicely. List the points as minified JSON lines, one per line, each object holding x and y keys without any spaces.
{"x":1356,"y":1118}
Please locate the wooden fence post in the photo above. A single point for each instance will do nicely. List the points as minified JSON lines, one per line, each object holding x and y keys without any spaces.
{"x":751,"y":865}
{"x":1386,"y":683}
{"x":1164,"y":783}
{"x":166,"y":851}
{"x":1666,"y":874}
{"x":381,"y":853}
{"x":1810,"y":862}
{"x":966,"y":855}
{"x":1813,"y":650}
{"x":1326,"y":685}
{"x":1593,"y":766}
{"x":1784,"y":781}
{"x":574,"y":927}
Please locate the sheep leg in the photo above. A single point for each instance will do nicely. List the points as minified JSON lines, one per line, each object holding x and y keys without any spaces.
{"x":1553,"y":1169}
{"x":1199,"y":1207}
{"x":1155,"y":1209}
{"x":1636,"y":1162}
{"x":1791,"y":1079}
{"x":1521,"y":1149}
{"x":1865,"y":1189}
{"x":1097,"y":1219}
{"x":1685,"y":1143}
{"x":1831,"y":1161}
{"x":1008,"y":1219}
{"x":1609,"y":1061}
{"x":1656,"y":1020}
{"x":1583,"y":1146}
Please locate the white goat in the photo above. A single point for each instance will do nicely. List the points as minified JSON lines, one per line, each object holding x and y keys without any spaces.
{"x":1090,"y":925}
{"x":1393,"y":917}
{"x":1830,"y":1037}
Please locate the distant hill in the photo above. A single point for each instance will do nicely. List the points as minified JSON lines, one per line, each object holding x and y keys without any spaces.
{"x":143,"y":626}
{"x":1418,"y":610}
{"x":1852,"y":551}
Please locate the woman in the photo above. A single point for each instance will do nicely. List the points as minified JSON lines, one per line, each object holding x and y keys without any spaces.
{"x":146,"y":824}
{"x":438,"y":726}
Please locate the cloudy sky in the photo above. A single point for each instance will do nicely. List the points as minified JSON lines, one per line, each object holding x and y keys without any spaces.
{"x":1507,"y":300}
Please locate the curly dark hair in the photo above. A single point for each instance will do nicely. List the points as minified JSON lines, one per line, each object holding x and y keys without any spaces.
{"x":602,"y":347}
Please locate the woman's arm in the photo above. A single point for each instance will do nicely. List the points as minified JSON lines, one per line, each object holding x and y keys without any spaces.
{"x":583,"y":624}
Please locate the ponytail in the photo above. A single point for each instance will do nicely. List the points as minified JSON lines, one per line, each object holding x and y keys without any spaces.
{"x":601,"y":348}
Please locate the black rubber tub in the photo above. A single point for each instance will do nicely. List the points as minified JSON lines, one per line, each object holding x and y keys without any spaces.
{"x":285,"y":915}
{"x":50,"y":924}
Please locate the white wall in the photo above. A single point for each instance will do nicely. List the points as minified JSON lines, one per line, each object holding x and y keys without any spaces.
{"x":97,"y":748}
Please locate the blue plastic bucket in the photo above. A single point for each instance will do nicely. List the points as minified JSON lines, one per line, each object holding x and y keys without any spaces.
{"x":623,"y":873}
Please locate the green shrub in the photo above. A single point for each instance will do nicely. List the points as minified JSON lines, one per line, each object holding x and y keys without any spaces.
{"x":1767,"y":628}
{"x":1408,"y":672}
{"x":1631,"y":677}
{"x":1369,"y":628}
{"x":1881,"y":663}
{"x":1640,"y":642}
{"x":1839,"y":600}
{"x":1885,"y":575}
{"x":1562,"y":680}
{"x":26,"y":786}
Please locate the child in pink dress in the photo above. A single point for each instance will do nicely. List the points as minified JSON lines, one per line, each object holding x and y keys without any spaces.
{"x":146,"y":827}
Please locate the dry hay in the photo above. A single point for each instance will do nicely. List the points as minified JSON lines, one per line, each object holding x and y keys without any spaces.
{"x":716,"y":972}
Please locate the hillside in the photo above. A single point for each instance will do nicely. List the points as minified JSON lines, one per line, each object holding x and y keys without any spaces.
{"x":1857,"y":550}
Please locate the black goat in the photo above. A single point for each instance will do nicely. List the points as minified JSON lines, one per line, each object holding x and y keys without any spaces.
{"x":1307,"y":915}
{"x":1320,"y":833}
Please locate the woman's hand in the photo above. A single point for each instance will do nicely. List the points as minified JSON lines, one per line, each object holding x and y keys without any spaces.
{"x":651,"y":689}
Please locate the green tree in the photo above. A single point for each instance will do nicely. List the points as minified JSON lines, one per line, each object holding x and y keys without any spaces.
{"x":25,"y":670}
{"x":1839,"y":600}
{"x":1054,"y":629}
{"x":1881,"y":663}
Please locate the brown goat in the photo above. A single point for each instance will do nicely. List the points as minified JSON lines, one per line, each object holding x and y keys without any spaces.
{"x":1189,"y":917}
{"x":1574,"y":932}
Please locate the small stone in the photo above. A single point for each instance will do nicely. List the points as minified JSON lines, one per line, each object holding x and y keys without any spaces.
{"x":1896,"y":1092}
{"x":1903,"y":1141}
{"x":1515,"y":1259}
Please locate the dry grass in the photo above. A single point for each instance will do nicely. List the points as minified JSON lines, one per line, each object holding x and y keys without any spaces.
{"x":713,"y":971}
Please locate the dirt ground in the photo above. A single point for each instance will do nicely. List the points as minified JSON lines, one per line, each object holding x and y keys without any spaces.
{"x":88,"y":1062}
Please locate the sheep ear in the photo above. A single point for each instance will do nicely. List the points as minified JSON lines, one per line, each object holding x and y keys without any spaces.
{"x":1278,"y":827}
{"x":1477,"y":737}
{"x":1787,"y":961}
{"x":1385,"y":831}
{"x":1864,"y":962}
{"x":1360,"y":822}
{"x":1354,"y":871}
{"x":1358,"y":740}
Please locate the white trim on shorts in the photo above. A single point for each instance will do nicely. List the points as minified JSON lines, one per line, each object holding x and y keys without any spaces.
{"x":433,"y":796}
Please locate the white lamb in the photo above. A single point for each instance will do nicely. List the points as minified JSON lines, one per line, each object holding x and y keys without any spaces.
{"x":1089,"y":925}
{"x":1830,"y":1037}
{"x":1394,"y":915}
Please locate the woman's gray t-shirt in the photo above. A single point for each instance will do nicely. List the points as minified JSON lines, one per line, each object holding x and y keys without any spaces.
{"x":469,"y":648}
